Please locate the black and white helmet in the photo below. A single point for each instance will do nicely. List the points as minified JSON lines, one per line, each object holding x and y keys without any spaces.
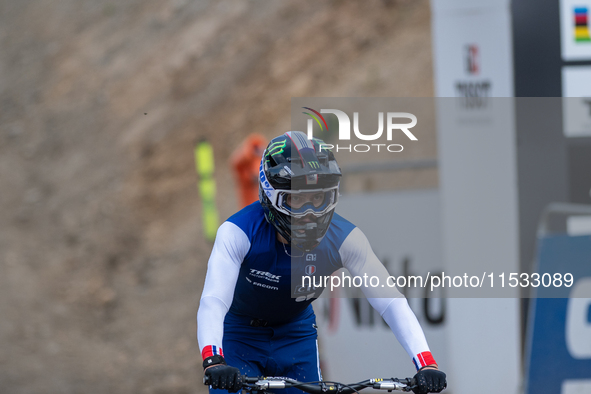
{"x":293,"y":168}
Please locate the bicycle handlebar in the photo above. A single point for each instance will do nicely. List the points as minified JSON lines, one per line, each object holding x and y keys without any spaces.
{"x":323,"y":387}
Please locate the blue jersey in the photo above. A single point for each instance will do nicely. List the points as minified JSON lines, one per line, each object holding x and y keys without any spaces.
{"x":264,"y":288}
{"x":252,"y":275}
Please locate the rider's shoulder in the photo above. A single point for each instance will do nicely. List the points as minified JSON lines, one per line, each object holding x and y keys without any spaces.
{"x":339,"y":229}
{"x":248,"y":211}
{"x":249,"y":217}
{"x":342,"y":224}
{"x":344,"y":230}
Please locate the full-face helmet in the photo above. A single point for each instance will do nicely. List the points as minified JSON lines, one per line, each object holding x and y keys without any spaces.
{"x":299,"y":188}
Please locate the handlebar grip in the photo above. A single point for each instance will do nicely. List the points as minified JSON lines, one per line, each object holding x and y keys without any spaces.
{"x":243,"y":378}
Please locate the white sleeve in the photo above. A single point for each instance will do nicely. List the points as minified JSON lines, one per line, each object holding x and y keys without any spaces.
{"x":358,"y":257}
{"x":230,"y":247}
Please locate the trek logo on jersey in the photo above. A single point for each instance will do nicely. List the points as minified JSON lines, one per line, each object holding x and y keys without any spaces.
{"x":265,"y":275}
{"x":393,"y":123}
{"x":310,"y":269}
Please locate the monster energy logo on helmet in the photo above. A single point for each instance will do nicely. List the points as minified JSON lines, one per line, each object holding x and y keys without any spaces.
{"x":276,"y":148}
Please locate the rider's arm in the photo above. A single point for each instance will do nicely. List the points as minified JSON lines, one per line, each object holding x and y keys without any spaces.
{"x":358,"y":257}
{"x":230,"y":247}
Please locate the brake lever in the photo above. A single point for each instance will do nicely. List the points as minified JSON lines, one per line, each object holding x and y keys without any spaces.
{"x":411,"y":384}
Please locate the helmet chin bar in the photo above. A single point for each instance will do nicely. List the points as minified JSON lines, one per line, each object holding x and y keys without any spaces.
{"x":313,"y":232}
{"x":306,"y":227}
{"x":307,"y":240}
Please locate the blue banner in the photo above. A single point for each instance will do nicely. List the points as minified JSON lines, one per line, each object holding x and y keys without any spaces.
{"x":558,"y":355}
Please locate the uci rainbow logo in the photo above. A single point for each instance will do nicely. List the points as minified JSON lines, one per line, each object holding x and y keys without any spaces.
{"x":582,"y":24}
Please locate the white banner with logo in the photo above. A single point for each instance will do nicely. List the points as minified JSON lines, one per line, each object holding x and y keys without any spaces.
{"x":472,"y":46}
{"x":575,"y":38}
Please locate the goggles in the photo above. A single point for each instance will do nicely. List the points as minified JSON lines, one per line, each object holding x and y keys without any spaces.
{"x":299,"y":203}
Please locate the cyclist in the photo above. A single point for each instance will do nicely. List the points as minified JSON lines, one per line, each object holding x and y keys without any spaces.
{"x":249,"y":307}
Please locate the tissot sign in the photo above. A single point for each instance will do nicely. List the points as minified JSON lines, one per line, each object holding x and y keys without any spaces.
{"x":396,"y":122}
{"x":474,"y":90}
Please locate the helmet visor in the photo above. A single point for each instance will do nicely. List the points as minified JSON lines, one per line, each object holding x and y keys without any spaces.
{"x":299,"y":203}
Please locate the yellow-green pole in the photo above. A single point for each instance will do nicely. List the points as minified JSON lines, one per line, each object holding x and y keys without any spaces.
{"x":207,"y":189}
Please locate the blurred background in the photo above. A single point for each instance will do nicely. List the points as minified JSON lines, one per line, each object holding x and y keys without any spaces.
{"x":102,"y":251}
{"x":127,"y":132}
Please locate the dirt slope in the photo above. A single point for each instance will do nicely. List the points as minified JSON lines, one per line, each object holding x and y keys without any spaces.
{"x":101,"y":251}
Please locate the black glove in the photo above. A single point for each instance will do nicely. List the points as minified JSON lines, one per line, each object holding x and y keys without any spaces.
{"x":429,"y":381}
{"x":219,"y":375}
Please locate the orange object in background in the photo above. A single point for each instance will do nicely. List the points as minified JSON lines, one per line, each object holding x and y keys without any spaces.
{"x":246,"y":160}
